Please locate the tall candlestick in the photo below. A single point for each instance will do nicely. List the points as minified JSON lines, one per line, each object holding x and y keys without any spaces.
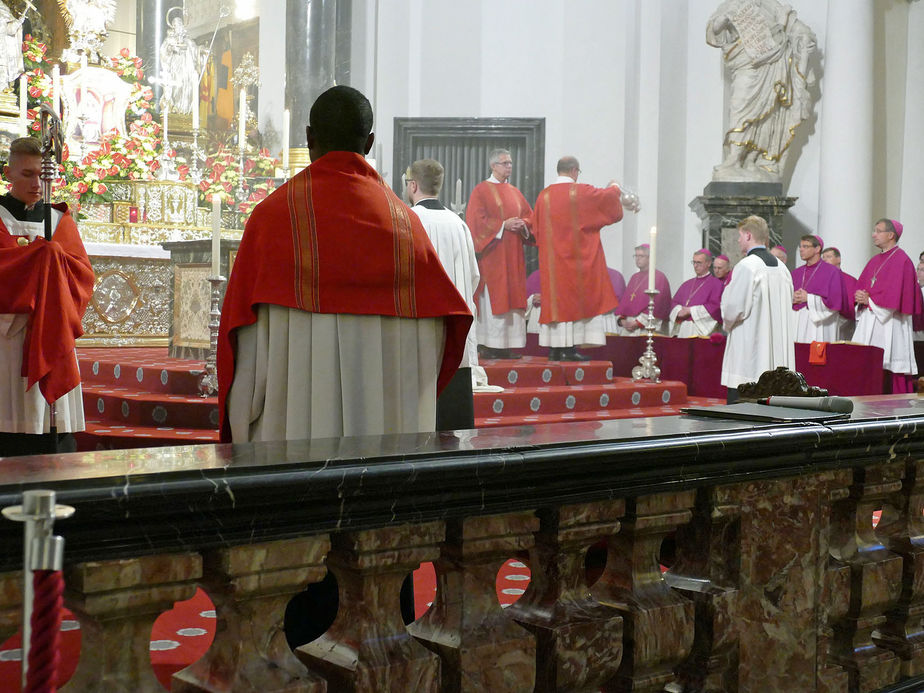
{"x":195,"y":113}
{"x":23,"y":88}
{"x":651,"y":257}
{"x":458,"y":198}
{"x":56,"y":88}
{"x":166,"y":138}
{"x":216,"y":235}
{"x":286,"y":116}
{"x":242,"y":118}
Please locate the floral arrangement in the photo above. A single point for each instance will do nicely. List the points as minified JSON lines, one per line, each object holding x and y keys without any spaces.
{"x":137,"y":156}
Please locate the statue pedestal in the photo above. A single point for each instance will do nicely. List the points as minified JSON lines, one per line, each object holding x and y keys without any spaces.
{"x":723,"y":204}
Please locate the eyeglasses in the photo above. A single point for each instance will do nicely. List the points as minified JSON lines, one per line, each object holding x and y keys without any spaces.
{"x":502,"y":163}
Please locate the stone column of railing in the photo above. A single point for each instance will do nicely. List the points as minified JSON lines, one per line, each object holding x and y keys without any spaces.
{"x":834,"y":602}
{"x":875,"y":577}
{"x":250,"y":587}
{"x":116,"y":603}
{"x":368,"y":647}
{"x":902,"y":523}
{"x":10,"y":604}
{"x":480,"y":647}
{"x":578,"y":640}
{"x":658,"y":620}
{"x":708,"y":572}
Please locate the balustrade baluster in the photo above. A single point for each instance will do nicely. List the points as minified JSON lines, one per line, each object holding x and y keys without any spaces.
{"x":117,"y":603}
{"x":480,"y":648}
{"x":10,"y":604}
{"x":834,"y":601}
{"x":903,"y":523}
{"x":368,"y":647}
{"x":876,"y":578}
{"x":658,"y":621}
{"x":250,"y":587}
{"x":578,"y":640}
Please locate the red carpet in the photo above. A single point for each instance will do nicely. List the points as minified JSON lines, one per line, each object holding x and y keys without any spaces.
{"x":182,"y":635}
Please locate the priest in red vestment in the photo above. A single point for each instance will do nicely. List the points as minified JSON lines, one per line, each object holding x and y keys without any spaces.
{"x":339,"y":318}
{"x":888,"y":304}
{"x":695,"y":309}
{"x":632,"y":316}
{"x":576,"y":289}
{"x":499,"y":218}
{"x":846,"y":322}
{"x":46,"y":289}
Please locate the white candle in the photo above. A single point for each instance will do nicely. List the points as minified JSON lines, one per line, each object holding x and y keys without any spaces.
{"x":651,"y":257}
{"x":23,"y":88}
{"x":216,"y":235}
{"x":458,"y":199}
{"x":56,"y":88}
{"x":286,"y":116}
{"x":241,"y":120}
{"x":195,"y":113}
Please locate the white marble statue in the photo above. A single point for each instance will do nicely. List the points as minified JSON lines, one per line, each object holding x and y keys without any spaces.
{"x":10,"y":46}
{"x":766,"y":50}
{"x":181,"y":63}
{"x":87,"y":25}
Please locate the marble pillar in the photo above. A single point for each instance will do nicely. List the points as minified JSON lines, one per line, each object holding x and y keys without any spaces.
{"x":317,"y":56}
{"x":845,"y":201}
{"x":912,"y":205}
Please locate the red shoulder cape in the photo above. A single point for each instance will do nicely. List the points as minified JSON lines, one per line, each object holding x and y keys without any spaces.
{"x":52,"y":282}
{"x":336,"y":239}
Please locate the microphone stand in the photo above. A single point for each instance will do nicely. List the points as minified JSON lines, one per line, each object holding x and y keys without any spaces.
{"x":52,"y":149}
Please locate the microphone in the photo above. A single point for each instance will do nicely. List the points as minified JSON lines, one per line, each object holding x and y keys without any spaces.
{"x":840,"y":405}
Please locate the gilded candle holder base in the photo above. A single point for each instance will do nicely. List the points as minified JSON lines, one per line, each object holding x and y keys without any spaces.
{"x":648,"y":362}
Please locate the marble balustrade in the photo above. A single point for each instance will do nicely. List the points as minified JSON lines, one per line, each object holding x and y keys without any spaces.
{"x":777,"y":580}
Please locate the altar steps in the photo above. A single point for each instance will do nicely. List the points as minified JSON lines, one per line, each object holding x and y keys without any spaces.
{"x":139,"y":397}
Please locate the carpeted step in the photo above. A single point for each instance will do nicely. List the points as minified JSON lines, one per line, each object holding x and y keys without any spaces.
{"x":122,"y":405}
{"x":142,"y":368}
{"x":534,"y":371}
{"x":104,"y":435}
{"x":561,"y":399}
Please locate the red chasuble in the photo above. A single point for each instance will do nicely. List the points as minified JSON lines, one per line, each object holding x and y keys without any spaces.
{"x":892,"y":283}
{"x":336,"y":239}
{"x":501,"y":262}
{"x":572,"y":269}
{"x":53,"y":282}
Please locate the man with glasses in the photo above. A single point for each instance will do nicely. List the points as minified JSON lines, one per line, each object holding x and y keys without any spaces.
{"x":818,"y":294}
{"x":577,"y":296}
{"x":695,"y":310}
{"x":888,"y":301}
{"x":632,"y":315}
{"x":498,"y":216}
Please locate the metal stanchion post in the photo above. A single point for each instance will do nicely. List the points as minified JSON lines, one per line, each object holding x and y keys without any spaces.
{"x":40,"y":548}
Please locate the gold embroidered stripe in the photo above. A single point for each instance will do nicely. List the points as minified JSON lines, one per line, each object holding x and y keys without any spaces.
{"x":405,"y":301}
{"x":576,"y":233}
{"x":305,"y":239}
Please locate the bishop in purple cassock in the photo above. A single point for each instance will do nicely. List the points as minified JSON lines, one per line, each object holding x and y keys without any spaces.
{"x":695,"y":310}
{"x":632,"y":314}
{"x":818,"y":294}
{"x":889,"y":304}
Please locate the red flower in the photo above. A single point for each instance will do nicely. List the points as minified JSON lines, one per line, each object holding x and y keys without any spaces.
{"x":113,"y":170}
{"x":125,"y":53}
{"x":81,"y":188}
{"x":139,"y":75}
{"x":146,"y":117}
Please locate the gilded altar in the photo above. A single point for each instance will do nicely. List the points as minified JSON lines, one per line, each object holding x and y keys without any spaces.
{"x":132,"y":302}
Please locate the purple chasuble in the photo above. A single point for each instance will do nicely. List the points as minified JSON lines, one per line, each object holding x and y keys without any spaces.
{"x":701,"y":291}
{"x":822,"y":279}
{"x":634,"y":300}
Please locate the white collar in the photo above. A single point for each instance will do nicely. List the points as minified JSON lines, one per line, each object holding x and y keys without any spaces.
{"x":564,"y":179}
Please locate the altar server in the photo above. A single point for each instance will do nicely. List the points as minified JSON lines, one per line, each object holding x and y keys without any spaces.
{"x":452,"y":241}
{"x":818,"y":294}
{"x":339,"y":319}
{"x":46,"y":289}
{"x":888,"y":303}
{"x":632,"y":315}
{"x":756,"y":310}
{"x":577,"y":295}
{"x":498,"y":216}
{"x":695,"y":309}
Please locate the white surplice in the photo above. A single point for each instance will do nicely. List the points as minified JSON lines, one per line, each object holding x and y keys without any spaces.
{"x":701,"y":325}
{"x":21,"y":410}
{"x":816,"y":322}
{"x":302,"y":375}
{"x":892,"y":332}
{"x":757,"y":314}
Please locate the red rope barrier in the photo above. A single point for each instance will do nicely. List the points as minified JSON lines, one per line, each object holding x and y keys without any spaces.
{"x":44,"y":651}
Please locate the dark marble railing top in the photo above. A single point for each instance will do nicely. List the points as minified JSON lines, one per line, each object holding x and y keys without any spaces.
{"x":194,"y":497}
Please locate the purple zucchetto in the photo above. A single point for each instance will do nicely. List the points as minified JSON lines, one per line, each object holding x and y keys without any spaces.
{"x":723,"y":256}
{"x":703,"y":251}
{"x":897,"y":225}
{"x":821,"y":243}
